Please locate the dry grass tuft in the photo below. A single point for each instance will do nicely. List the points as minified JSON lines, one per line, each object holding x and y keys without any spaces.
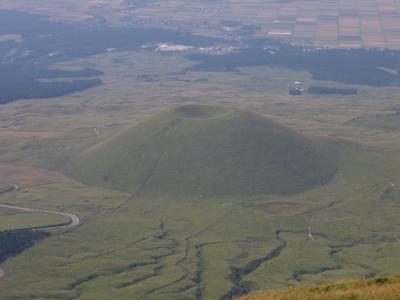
{"x":381,"y":288}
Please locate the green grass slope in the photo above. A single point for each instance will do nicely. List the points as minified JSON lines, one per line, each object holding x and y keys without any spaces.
{"x":202,"y":150}
{"x":381,"y":288}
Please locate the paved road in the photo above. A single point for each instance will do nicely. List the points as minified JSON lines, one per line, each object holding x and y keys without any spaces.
{"x":74,"y":219}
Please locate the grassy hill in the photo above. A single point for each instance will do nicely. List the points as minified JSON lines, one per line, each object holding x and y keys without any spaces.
{"x":382,"y":288}
{"x":208,"y":151}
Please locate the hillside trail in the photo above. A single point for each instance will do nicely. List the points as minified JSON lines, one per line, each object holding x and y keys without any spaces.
{"x":74,"y":219}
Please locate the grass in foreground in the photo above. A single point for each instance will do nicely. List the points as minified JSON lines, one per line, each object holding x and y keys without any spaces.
{"x":378,"y":288}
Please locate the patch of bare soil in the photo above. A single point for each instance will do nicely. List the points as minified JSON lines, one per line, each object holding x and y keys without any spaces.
{"x":28,"y":176}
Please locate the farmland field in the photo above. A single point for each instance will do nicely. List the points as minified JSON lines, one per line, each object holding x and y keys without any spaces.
{"x":334,"y":24}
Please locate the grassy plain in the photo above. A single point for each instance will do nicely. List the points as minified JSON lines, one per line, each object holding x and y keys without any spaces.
{"x":152,"y":247}
{"x":12,"y":221}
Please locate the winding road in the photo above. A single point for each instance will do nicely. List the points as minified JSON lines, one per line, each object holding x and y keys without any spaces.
{"x":74,"y":219}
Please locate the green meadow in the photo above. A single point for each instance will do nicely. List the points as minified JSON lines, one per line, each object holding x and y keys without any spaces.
{"x":13,"y":221}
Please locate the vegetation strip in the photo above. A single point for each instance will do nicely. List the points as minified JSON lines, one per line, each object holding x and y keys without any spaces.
{"x":237,"y":273}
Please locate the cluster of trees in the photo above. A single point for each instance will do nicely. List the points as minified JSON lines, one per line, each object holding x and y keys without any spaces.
{"x":27,"y":82}
{"x":66,"y":41}
{"x":331,"y":90}
{"x":31,"y":89}
{"x":13,"y":242}
{"x":23,"y":65}
{"x":357,"y":66}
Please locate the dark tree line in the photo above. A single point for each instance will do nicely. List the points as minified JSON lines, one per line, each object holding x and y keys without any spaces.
{"x":13,"y":242}
{"x":357,"y":66}
{"x":27,"y":82}
{"x":23,"y":65}
{"x":31,"y":89}
{"x":331,"y":90}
